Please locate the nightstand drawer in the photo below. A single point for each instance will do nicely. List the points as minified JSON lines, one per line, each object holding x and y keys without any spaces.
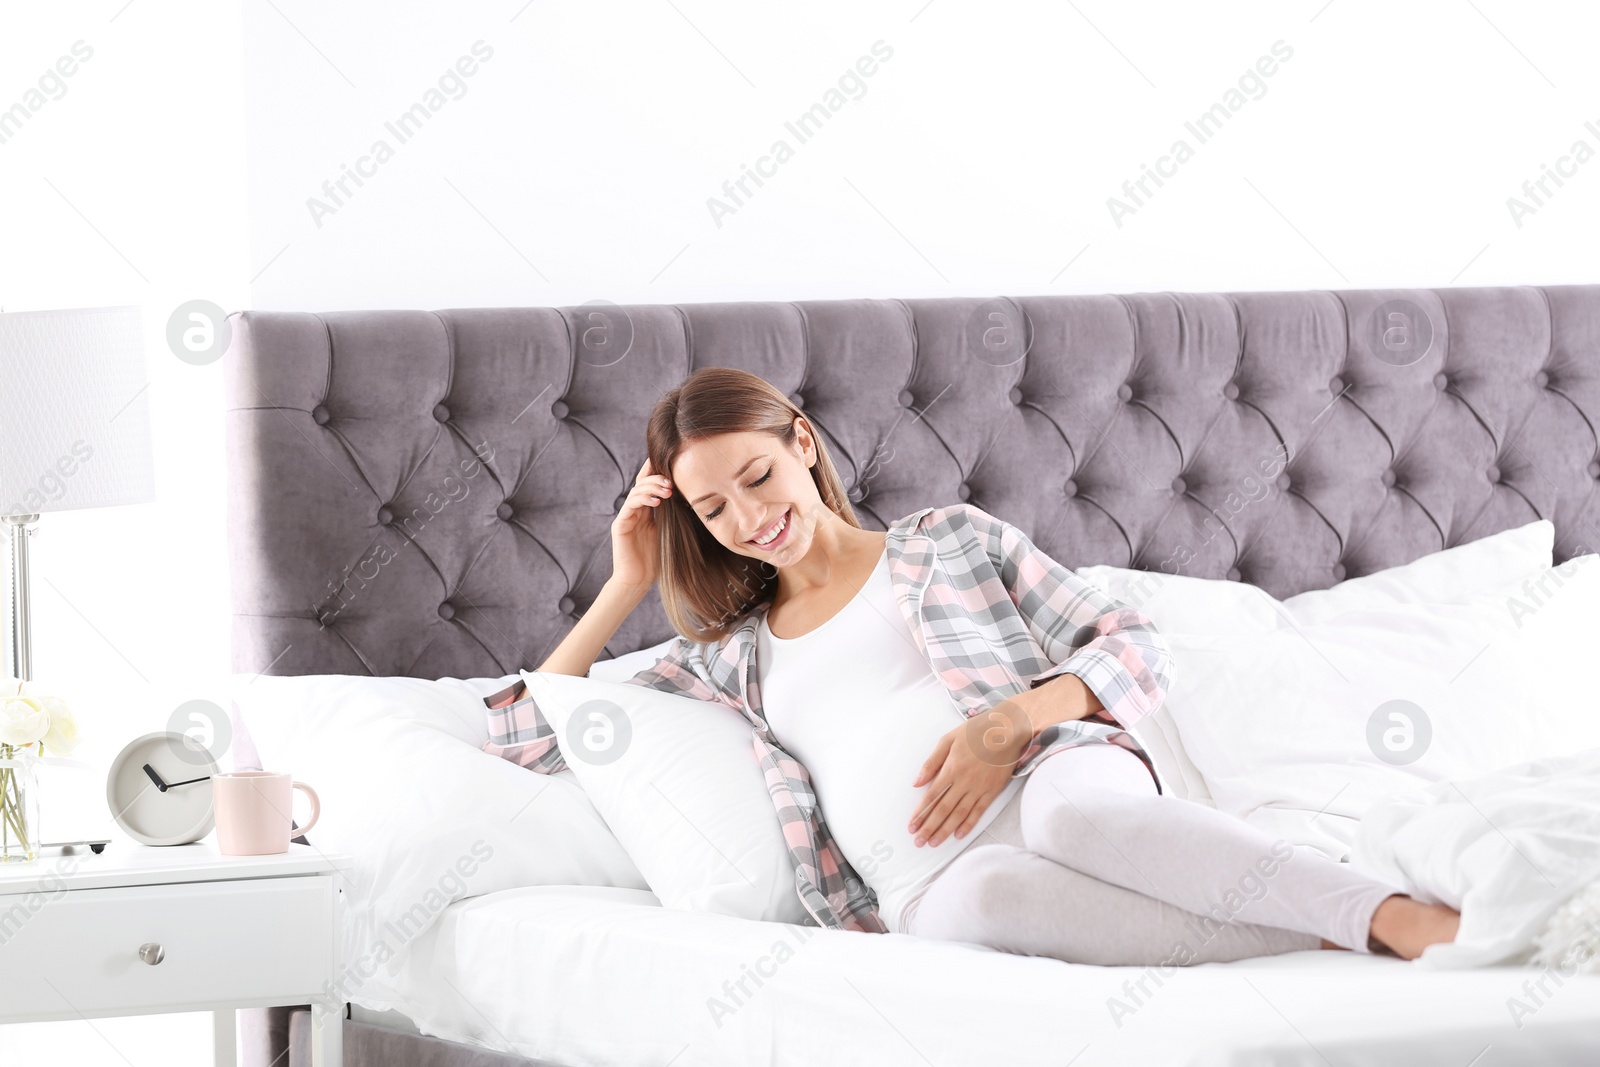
{"x":78,"y":951}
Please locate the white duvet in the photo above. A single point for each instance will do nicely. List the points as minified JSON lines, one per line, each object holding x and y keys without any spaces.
{"x":1509,"y":850}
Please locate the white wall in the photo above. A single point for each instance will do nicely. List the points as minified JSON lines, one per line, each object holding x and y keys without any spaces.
{"x":980,"y":159}
{"x":578,"y":164}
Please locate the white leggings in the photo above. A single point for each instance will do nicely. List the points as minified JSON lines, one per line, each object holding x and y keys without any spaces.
{"x":1088,"y":863}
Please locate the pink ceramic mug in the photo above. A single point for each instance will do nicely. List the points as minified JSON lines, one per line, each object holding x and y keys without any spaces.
{"x":252,"y":812}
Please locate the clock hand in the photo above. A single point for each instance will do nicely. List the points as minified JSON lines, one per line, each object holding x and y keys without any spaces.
{"x":191,"y":781}
{"x":154,"y":777}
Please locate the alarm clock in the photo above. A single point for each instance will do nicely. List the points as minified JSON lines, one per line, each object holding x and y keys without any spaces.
{"x":159,"y":789}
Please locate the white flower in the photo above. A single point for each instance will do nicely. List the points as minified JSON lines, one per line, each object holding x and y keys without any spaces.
{"x":63,"y":734}
{"x":27,"y":715}
{"x":23,"y":720}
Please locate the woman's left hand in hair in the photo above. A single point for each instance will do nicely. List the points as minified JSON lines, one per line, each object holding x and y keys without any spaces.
{"x":969,"y":767}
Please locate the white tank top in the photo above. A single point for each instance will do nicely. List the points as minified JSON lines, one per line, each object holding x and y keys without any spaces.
{"x":860,"y":707}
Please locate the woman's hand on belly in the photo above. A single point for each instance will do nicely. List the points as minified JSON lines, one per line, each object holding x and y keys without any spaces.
{"x":969,"y":767}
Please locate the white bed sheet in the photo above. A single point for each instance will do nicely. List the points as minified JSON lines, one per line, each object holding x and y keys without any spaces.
{"x":601,"y":977}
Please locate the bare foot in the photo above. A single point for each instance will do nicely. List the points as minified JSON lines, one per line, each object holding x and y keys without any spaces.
{"x":1406,"y":926}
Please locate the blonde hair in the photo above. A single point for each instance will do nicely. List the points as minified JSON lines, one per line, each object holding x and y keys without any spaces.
{"x":705,"y":588}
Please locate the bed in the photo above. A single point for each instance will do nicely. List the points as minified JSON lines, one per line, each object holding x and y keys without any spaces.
{"x":1110,"y":428}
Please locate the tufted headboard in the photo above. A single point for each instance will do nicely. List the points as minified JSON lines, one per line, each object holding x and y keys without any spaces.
{"x":430,"y":493}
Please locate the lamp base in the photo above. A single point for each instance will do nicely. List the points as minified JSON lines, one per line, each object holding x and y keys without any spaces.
{"x":18,"y":597}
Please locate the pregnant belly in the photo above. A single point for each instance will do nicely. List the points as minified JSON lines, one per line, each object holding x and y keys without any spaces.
{"x":868,"y":802}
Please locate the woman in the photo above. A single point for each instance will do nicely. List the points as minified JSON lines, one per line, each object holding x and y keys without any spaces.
{"x":956,"y":702}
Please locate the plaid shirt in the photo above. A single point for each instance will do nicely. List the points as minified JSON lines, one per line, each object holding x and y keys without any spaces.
{"x":993,"y":614}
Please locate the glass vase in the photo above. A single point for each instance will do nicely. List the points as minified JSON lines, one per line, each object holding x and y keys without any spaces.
{"x":19,"y":806}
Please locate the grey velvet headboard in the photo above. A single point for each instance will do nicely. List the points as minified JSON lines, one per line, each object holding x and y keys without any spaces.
{"x":430,"y":493}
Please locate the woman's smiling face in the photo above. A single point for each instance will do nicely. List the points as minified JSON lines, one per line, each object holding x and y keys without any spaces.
{"x":754,"y":495}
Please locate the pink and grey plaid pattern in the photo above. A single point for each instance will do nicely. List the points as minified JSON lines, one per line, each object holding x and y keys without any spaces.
{"x":993,"y":614}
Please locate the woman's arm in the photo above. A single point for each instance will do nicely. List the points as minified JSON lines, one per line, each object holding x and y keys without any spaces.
{"x":635,"y":562}
{"x":584,"y":642}
{"x":518,"y":730}
{"x":578,"y":650}
{"x":1064,"y":698}
{"x":1118,"y":658}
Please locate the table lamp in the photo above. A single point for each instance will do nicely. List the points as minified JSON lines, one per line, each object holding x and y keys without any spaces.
{"x":74,"y":433}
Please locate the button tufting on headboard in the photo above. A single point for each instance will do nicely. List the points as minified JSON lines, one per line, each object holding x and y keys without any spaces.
{"x":458,"y":537}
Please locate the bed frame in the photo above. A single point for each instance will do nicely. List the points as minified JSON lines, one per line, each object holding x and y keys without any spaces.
{"x":430,"y":493}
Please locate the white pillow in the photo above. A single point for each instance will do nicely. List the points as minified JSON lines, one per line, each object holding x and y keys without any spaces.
{"x":1299,"y":731}
{"x":425,"y":816}
{"x":625,"y":666}
{"x":1501,"y":559}
{"x":677,"y":780}
{"x":1180,"y":604}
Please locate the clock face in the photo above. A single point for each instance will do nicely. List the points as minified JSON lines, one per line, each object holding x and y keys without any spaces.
{"x":175,"y":817}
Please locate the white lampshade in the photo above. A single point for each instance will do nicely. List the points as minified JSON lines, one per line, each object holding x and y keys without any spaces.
{"x":74,"y":411}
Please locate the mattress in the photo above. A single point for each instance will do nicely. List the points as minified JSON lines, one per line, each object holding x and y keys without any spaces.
{"x":600,"y":977}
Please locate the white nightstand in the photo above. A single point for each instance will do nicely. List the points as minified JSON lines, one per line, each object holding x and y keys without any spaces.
{"x":139,"y":930}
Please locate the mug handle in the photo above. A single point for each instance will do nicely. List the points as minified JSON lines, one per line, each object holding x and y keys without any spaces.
{"x":316,"y":809}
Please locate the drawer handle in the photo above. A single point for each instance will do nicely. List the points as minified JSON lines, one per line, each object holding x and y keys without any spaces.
{"x":152,"y":953}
